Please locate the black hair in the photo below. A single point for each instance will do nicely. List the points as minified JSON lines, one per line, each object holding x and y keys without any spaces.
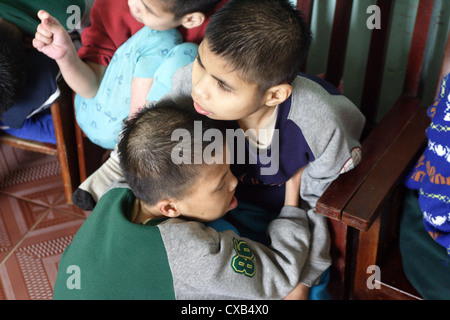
{"x":12,"y":66}
{"x":182,"y":7}
{"x":266,"y":41}
{"x":146,"y":151}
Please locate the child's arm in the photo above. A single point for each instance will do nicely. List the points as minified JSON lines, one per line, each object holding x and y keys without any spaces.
{"x":292,"y":197}
{"x":292,"y":194}
{"x":300,"y":292}
{"x":53,"y":40}
{"x":207,"y":264}
{"x":331,"y":125}
{"x":140,"y":87}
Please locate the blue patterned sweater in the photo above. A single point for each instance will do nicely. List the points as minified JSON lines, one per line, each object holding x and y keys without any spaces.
{"x":431,"y":175}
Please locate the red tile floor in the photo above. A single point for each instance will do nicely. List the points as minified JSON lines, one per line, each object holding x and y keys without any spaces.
{"x":36,"y":224}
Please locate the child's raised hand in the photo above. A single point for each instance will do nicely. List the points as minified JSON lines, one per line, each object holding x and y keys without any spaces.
{"x":51,"y":38}
{"x":292,"y":196}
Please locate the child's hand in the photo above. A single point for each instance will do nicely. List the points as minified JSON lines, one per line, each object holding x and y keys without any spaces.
{"x":300,"y":292}
{"x":51,"y":38}
{"x":292,"y":196}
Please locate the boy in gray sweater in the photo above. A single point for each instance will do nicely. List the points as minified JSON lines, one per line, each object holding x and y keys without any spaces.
{"x":146,"y":237}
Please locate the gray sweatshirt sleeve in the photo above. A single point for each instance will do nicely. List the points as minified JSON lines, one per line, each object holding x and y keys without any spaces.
{"x":207,"y":264}
{"x":332,"y":126}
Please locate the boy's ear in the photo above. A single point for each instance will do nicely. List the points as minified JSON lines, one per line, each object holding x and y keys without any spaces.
{"x":277,"y":94}
{"x":168,"y":208}
{"x":192,"y":20}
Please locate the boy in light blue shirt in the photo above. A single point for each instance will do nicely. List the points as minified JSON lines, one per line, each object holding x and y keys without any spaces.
{"x":107,"y":96}
{"x":101,"y":117}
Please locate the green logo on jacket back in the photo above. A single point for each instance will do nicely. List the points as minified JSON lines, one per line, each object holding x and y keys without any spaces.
{"x":243,"y":262}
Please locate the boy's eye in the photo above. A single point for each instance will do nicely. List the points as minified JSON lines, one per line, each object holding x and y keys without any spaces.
{"x":147,"y":9}
{"x":223,"y":86}
{"x":199,"y":62}
{"x":221,"y":187}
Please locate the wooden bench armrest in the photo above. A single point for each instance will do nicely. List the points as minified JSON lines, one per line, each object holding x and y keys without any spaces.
{"x":355,"y":198}
{"x":63,"y":122}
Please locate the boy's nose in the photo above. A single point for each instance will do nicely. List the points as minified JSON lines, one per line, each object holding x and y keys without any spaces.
{"x":200,"y":89}
{"x":233,"y":183}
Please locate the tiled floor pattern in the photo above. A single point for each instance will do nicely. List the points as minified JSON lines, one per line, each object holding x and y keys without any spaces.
{"x":36,"y":224}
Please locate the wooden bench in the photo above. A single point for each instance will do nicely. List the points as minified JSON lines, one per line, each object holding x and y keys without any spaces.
{"x":364,"y":205}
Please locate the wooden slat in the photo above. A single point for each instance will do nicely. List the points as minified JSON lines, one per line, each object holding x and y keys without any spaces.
{"x":365,"y":257}
{"x":339,"y":193}
{"x":363,"y":208}
{"x":341,"y":254}
{"x":418,"y":45}
{"x":46,"y":148}
{"x":338,"y":42}
{"x":63,"y":122}
{"x":306,"y":8}
{"x":81,"y":153}
{"x":445,"y":70}
{"x":375,"y":64}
